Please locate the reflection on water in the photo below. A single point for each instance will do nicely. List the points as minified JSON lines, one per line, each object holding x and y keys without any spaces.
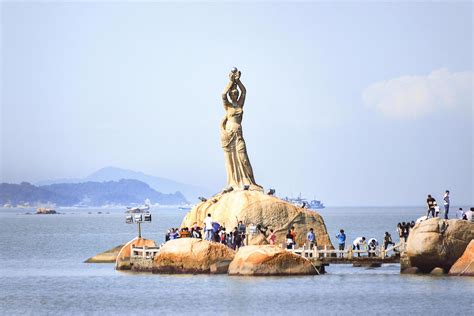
{"x":43,"y":273}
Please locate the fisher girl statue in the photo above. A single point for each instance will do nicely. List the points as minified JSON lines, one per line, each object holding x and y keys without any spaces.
{"x":237,"y":163}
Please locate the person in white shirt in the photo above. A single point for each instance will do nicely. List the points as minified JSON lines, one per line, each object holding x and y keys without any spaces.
{"x":372,"y":247}
{"x":357,"y":243}
{"x":209,"y":232}
{"x":460,"y":213}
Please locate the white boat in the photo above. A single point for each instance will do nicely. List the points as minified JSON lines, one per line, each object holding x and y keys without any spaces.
{"x":185,"y":207}
{"x":305,"y":203}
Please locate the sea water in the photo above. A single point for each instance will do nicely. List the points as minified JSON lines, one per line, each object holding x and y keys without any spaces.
{"x":42,"y":272}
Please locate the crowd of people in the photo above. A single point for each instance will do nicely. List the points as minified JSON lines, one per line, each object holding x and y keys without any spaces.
{"x":433,"y":209}
{"x":236,"y":237}
{"x":214,"y":231}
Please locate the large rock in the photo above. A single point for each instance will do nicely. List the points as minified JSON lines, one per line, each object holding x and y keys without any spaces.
{"x":269,"y":260}
{"x":123,"y":258}
{"x":438,"y":243}
{"x":465,"y":264}
{"x":191,"y":255}
{"x":109,"y":256}
{"x":255,"y":207}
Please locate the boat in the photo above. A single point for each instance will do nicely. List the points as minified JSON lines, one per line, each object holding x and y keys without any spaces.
{"x":185,"y":207}
{"x":44,"y":210}
{"x":138,"y":209}
{"x":305,"y":203}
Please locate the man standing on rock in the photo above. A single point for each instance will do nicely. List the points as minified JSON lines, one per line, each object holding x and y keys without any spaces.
{"x":209,"y":229}
{"x":430,"y":201}
{"x":446,"y":204}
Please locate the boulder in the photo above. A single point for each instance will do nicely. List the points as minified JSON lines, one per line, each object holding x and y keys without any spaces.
{"x":255,"y":207}
{"x":464,"y":266}
{"x":411,"y":270}
{"x":191,"y":255}
{"x":123,"y":257}
{"x":109,"y":256}
{"x":438,"y":243}
{"x":437,"y":271}
{"x":260,"y":260}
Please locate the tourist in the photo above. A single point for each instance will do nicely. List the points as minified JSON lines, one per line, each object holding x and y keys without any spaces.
{"x":460,"y":213}
{"x":230,"y":240}
{"x":469,"y":215}
{"x":184,"y":233}
{"x":208,"y":228}
{"x":262,"y":230}
{"x":272,"y":237}
{"x":241,"y":230}
{"x":216,"y":228}
{"x":289,"y":240}
{"x":405,"y":230}
{"x":372,"y":247}
{"x":400,"y":230}
{"x":446,"y":204}
{"x":387,"y":240}
{"x":341,"y":240}
{"x":358,"y":243}
{"x":436,"y":209}
{"x":237,"y":239}
{"x":197,"y":233}
{"x":430,"y":201}
{"x":293,"y":233}
{"x":167,"y":235}
{"x":311,"y":237}
{"x":222,"y":236}
{"x":174,"y":234}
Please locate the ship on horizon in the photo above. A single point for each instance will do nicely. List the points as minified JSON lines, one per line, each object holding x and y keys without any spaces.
{"x":305,"y":203}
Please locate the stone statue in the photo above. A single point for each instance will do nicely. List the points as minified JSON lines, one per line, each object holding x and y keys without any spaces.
{"x":239,"y":170}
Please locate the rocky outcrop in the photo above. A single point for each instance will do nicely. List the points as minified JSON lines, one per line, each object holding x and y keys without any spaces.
{"x":191,"y":255}
{"x":123,"y":257}
{"x":464,"y":266}
{"x":269,"y":260}
{"x":255,"y":207}
{"x":438,"y":243}
{"x":109,"y":256}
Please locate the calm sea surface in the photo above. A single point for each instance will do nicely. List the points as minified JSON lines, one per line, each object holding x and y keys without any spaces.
{"x":42,"y":272}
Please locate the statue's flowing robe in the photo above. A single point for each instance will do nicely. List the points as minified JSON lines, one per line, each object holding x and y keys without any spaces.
{"x":239,"y":170}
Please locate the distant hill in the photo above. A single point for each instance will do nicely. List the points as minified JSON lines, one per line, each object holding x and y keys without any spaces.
{"x":191,"y":193}
{"x":27,"y":193}
{"x":122,"y":192}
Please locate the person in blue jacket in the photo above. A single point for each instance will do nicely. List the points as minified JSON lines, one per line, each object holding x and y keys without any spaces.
{"x":341,"y":239}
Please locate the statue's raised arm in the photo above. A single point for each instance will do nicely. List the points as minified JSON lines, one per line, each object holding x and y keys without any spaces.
{"x":243,"y":91}
{"x":227,"y":89}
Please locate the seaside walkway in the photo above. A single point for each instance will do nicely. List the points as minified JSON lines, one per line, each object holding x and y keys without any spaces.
{"x":348,"y":256}
{"x":319,"y":257}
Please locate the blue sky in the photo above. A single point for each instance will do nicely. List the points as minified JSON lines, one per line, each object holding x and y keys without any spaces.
{"x":351,"y":103}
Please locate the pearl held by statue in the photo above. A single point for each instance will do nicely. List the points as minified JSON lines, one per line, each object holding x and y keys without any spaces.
{"x":233,"y":70}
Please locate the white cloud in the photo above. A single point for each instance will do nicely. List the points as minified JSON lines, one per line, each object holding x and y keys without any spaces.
{"x":411,"y":97}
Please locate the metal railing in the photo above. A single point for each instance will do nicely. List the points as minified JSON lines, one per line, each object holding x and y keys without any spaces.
{"x":349,"y":253}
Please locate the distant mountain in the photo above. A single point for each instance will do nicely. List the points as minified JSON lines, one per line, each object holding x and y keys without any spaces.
{"x":163,"y":185}
{"x":122,"y":192}
{"x":27,"y":193}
